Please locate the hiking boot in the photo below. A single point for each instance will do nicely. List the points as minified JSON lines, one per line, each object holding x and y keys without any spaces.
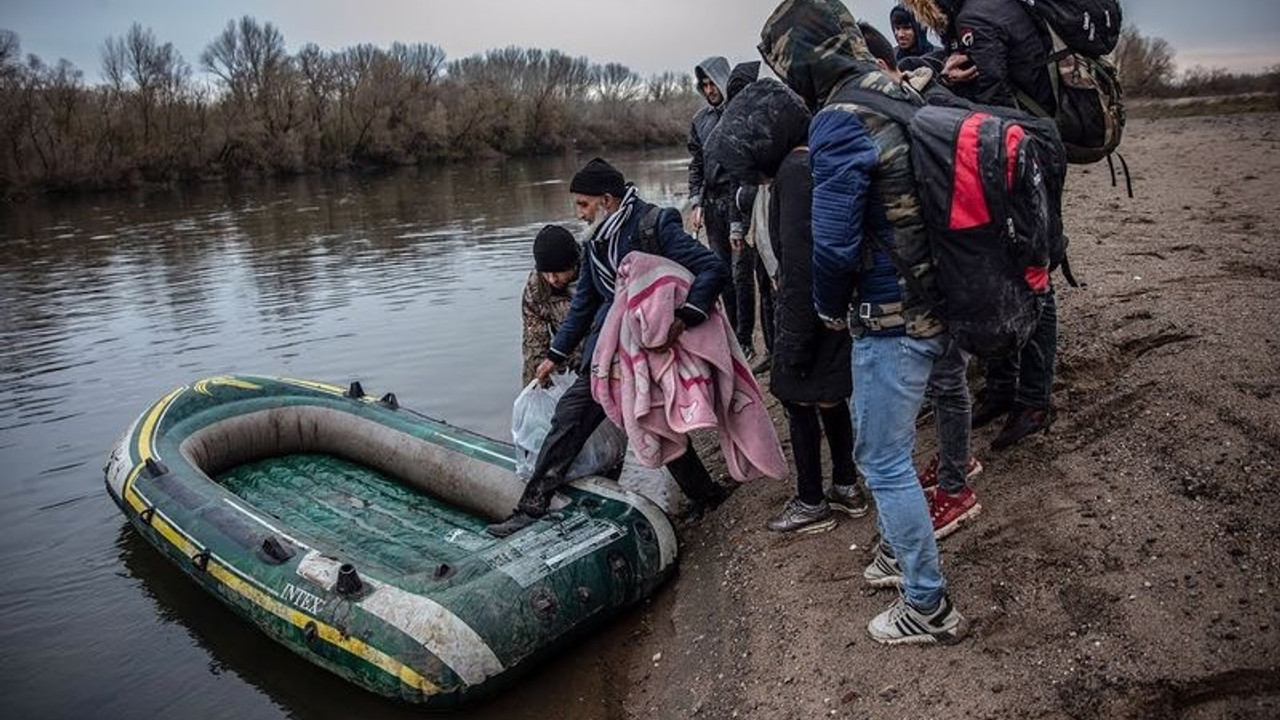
{"x":518,"y":521}
{"x":884,"y":570}
{"x":1023,"y":421}
{"x":802,"y":518}
{"x":989,"y":407}
{"x":903,"y":623}
{"x":848,"y":499}
{"x":929,"y":478}
{"x":949,"y":512}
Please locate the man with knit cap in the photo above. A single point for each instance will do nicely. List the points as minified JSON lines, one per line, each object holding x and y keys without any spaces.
{"x":620,"y":222}
{"x":547,"y":293}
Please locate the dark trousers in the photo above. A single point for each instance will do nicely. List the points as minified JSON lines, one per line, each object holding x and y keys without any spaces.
{"x":578,"y":415}
{"x":748,"y":273}
{"x":953,"y":414}
{"x":717,"y":225}
{"x":1027,"y":376}
{"x":808,"y":423}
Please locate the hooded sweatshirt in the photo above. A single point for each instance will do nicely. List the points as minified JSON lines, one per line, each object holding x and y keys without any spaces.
{"x":900,"y":16}
{"x":865,"y":202}
{"x":717,"y":69}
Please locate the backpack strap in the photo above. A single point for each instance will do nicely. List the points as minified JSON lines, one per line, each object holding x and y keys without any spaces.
{"x":901,"y":112}
{"x":649,"y":231}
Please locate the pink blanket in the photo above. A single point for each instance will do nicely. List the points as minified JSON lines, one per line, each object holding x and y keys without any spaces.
{"x":702,"y":382}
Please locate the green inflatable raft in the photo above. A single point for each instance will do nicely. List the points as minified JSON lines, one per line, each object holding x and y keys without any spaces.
{"x":352,"y":531}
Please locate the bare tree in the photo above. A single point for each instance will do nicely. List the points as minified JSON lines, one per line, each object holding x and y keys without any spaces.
{"x":1145,"y":63}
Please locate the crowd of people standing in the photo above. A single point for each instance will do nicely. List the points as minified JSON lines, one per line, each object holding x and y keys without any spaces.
{"x":810,"y":203}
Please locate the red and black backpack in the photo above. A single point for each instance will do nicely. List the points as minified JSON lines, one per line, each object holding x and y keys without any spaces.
{"x":990,"y":184}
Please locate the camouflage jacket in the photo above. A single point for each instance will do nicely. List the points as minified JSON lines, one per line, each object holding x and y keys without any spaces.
{"x":543,"y":311}
{"x":865,"y":202}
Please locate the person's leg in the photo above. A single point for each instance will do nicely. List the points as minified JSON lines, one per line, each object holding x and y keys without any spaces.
{"x":576,"y":417}
{"x":766,"y":303}
{"x":717,"y":226}
{"x":806,"y":447}
{"x":808,"y":512}
{"x":890,"y":376}
{"x":1035,"y":378}
{"x":949,"y":387}
{"x":744,"y":283}
{"x":694,"y":480}
{"x":1033,"y":407}
{"x":837,"y":425}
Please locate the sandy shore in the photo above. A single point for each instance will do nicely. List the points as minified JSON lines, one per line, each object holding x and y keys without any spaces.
{"x":1125,"y":564}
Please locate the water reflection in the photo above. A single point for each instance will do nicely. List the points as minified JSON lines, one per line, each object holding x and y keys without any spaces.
{"x":408,"y":281}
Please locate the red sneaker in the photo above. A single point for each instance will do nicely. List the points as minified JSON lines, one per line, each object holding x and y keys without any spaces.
{"x":929,"y":478}
{"x":949,"y":511}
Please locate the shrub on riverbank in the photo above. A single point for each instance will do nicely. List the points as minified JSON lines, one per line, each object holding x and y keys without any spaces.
{"x":266,"y":112}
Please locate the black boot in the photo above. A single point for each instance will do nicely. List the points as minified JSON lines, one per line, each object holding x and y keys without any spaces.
{"x":518,"y":521}
{"x":989,"y":407}
{"x":1023,"y":421}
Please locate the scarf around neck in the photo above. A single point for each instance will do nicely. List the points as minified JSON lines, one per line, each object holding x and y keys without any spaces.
{"x":604,"y":244}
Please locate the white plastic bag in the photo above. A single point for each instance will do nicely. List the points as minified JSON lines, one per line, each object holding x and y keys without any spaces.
{"x":531,"y":421}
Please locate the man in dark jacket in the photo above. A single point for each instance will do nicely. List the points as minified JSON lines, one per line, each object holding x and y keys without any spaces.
{"x":867,"y":223}
{"x":707,"y":189}
{"x":1009,"y":48}
{"x":620,"y":219}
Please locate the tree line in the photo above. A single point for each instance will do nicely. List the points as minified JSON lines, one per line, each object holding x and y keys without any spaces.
{"x":261,"y":110}
{"x":1147,"y":69}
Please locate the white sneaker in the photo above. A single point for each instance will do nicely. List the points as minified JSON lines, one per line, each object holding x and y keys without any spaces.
{"x":884,"y":570}
{"x":902,"y":623}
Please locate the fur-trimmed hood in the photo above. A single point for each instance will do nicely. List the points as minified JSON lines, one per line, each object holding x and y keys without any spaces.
{"x":934,"y":13}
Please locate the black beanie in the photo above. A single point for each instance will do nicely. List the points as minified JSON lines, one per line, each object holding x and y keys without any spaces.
{"x":598,"y":178}
{"x":555,"y":250}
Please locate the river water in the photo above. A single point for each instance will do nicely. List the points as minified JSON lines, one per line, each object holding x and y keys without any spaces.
{"x":409,"y":282}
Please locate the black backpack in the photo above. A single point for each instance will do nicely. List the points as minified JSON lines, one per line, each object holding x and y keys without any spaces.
{"x":990,"y":183}
{"x":1091,"y":114}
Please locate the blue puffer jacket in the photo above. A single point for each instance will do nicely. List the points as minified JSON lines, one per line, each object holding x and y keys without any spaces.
{"x":592,"y":298}
{"x":847,"y":216}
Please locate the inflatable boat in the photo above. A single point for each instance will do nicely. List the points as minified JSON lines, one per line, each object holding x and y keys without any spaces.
{"x":351,"y":530}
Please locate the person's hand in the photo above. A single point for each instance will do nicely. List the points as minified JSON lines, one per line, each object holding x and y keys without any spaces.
{"x":959,"y":68}
{"x":836,"y":324}
{"x":543,"y":372}
{"x":695,"y":218}
{"x":673,"y":334}
{"x":735,"y":242}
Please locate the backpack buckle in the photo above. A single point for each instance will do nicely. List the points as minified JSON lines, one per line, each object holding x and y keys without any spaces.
{"x":864,"y":311}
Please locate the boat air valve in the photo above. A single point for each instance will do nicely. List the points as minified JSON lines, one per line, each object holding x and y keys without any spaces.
{"x":349,"y":580}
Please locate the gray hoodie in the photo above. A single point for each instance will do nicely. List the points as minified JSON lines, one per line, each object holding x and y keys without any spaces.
{"x":717,"y":69}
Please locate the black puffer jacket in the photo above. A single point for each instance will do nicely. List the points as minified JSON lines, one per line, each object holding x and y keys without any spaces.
{"x":762,"y":134}
{"x":1009,"y":46}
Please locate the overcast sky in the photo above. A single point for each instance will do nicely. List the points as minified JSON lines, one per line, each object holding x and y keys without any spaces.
{"x":650,"y":36}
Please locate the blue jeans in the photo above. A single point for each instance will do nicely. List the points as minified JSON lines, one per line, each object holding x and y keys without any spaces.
{"x":890,"y":375}
{"x":1027,"y":376}
{"x":953,"y":413}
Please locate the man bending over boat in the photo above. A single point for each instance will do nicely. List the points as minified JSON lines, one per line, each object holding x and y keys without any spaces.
{"x":620,"y":222}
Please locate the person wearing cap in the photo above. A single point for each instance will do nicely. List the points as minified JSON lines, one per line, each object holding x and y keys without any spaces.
{"x":547,"y":293}
{"x":620,"y":222}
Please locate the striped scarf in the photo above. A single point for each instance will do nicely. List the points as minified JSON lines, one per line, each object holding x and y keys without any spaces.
{"x":604,"y":244}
